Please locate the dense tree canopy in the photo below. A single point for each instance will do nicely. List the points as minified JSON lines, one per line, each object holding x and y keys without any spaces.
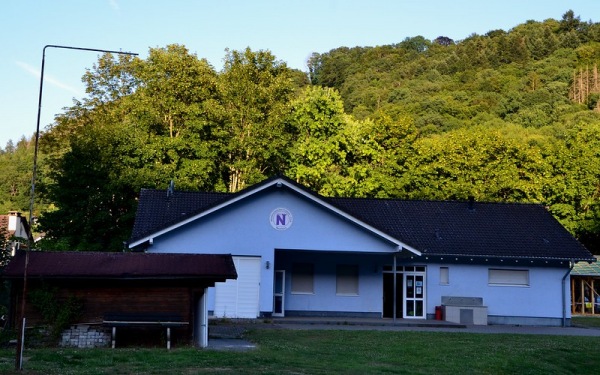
{"x":509,"y":116}
{"x":255,"y":90}
{"x":16,"y":164}
{"x":146,"y":122}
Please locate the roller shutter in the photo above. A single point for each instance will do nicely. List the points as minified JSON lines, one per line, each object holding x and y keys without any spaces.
{"x":239,"y":298}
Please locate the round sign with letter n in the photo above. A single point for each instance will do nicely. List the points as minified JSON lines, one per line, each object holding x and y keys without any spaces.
{"x":281,"y":218}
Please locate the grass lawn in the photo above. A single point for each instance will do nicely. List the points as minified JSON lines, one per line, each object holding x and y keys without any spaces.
{"x":334,"y":352}
{"x":585,"y":321}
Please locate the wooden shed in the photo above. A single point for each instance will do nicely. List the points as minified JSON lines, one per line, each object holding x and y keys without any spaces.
{"x":123,"y":284}
{"x":585,"y":288}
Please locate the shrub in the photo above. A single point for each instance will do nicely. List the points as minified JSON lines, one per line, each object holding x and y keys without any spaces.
{"x":57,"y":313}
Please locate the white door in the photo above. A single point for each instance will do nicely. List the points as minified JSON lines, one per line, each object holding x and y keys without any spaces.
{"x":279,"y":293}
{"x":239,"y":298}
{"x":414,"y":295}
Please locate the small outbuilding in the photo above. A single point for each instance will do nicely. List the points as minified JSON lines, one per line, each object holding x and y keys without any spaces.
{"x":585,"y":288}
{"x":124,"y":289}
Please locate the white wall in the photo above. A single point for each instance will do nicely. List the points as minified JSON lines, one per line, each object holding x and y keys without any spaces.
{"x":370,"y":278}
{"x":542,"y":298}
{"x":244,"y":229}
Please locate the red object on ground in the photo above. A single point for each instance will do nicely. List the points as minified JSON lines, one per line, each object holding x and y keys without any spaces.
{"x":438,"y":313}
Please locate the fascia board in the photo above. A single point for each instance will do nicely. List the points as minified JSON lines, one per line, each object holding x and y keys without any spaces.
{"x":279,"y":182}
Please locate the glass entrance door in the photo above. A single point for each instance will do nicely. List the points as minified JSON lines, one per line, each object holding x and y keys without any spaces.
{"x":414,"y":295}
{"x":279,"y":293}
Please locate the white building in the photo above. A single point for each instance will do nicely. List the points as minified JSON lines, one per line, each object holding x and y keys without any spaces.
{"x":300,"y":254}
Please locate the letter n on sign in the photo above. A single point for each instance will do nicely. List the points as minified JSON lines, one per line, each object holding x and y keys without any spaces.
{"x":281,"y":218}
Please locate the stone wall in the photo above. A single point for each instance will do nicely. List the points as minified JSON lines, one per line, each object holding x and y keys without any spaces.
{"x":86,"y":336}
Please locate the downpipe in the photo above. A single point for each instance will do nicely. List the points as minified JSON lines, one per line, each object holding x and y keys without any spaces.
{"x":564,"y":294}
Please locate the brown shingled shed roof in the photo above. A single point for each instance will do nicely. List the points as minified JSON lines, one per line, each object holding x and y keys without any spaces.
{"x":103,"y":265}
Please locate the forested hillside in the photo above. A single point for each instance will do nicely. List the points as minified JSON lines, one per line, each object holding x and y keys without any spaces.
{"x":510,"y":116}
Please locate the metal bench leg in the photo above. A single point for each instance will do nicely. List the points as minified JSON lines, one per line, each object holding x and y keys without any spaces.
{"x":168,"y":338}
{"x":114,"y":336}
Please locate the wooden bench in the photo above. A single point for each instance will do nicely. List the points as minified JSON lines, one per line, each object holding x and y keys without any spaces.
{"x":166,"y":320}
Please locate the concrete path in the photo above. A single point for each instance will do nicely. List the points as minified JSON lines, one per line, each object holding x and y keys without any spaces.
{"x":427,"y":326}
{"x":228,"y":336}
{"x":515,"y":330}
{"x":238,"y":345}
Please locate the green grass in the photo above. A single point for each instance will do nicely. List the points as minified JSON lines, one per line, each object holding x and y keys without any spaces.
{"x":586,"y":321}
{"x":335,"y":352}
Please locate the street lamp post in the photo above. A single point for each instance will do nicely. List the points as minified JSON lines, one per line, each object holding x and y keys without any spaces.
{"x":37,"y":129}
{"x":20,"y":339}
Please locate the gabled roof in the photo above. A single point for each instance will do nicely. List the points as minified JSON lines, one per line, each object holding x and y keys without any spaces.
{"x":104,"y":265}
{"x":436,"y":228}
{"x":159,"y":213}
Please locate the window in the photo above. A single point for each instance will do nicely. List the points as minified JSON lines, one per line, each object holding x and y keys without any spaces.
{"x":346,"y":280}
{"x":444,"y":276}
{"x":508,"y":277}
{"x":303,"y":278}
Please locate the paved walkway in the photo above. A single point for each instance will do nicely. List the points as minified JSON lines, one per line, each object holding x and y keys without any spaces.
{"x":427,"y":325}
{"x":229,"y":335}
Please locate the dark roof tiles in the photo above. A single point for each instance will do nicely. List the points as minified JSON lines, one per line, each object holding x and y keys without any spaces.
{"x":156,"y":210}
{"x":456,"y":228}
{"x":431,"y":227}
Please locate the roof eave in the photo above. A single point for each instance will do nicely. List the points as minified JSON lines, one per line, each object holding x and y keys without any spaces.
{"x":278,"y":182}
{"x":510,"y":259}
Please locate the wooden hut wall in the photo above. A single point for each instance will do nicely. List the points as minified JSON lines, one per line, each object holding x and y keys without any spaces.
{"x":127,"y":297}
{"x":584,"y":291}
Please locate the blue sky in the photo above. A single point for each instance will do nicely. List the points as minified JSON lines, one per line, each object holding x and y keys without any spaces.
{"x":291,"y":29}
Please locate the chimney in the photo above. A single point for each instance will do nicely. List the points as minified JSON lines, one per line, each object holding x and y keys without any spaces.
{"x":471,"y":203}
{"x":13,"y":220}
{"x":171,"y":189}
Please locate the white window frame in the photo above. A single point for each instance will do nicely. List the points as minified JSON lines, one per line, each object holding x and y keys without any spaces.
{"x":444,"y":276}
{"x":303,"y":278}
{"x":508,"y":277}
{"x":347,"y":280}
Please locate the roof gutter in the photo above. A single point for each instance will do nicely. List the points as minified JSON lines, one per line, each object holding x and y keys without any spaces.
{"x":516,"y":259}
{"x":564,"y":293}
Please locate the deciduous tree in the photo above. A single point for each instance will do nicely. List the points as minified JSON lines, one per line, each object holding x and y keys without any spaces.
{"x":255,"y":90}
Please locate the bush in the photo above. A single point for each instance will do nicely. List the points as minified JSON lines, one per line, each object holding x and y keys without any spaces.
{"x":57,"y":314}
